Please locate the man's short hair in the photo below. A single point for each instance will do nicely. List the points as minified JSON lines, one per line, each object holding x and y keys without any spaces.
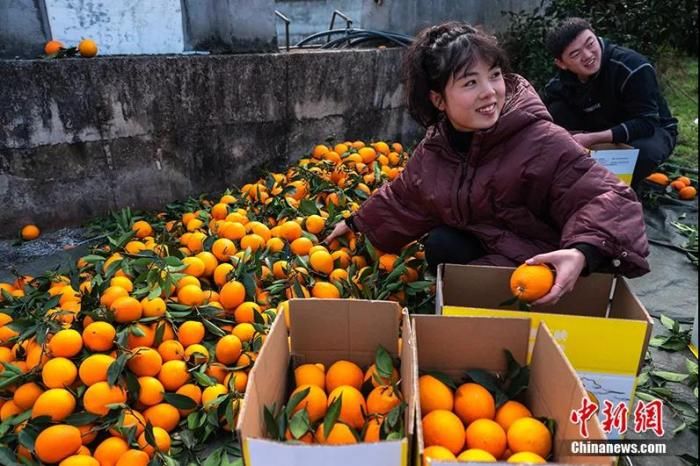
{"x":563,"y":34}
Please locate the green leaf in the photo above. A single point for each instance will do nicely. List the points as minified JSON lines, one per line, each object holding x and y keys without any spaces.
{"x":670,"y":376}
{"x":308,"y":207}
{"x":295,"y":399}
{"x":80,"y":419}
{"x":271,"y":424}
{"x":332,"y":415}
{"x":179,"y":401}
{"x":509,"y":302}
{"x":518,"y":383}
{"x":160,"y":331}
{"x":667,"y":322}
{"x":442,"y":377}
{"x":212,"y":328}
{"x":299,"y":424}
{"x":203,"y":379}
{"x":248,"y":280}
{"x":150,"y":438}
{"x":7,"y":456}
{"x":370,"y":250}
{"x":116,"y":368}
{"x":27,"y":437}
{"x":136,"y":330}
{"x":645,"y":396}
{"x":484,"y":378}
{"x":383,"y":363}
{"x":214,"y":459}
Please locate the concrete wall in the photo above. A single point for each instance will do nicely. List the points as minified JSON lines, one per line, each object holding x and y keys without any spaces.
{"x":24,"y":28}
{"x":226,"y":25}
{"x":402,"y":16}
{"x":81,"y":137}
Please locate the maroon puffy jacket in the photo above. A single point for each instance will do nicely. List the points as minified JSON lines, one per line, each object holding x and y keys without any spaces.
{"x":524,"y":188}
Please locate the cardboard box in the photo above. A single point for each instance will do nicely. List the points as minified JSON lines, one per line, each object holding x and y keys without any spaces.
{"x":453,"y":345}
{"x":604,"y":339}
{"x":325,"y":331}
{"x":618,"y":158}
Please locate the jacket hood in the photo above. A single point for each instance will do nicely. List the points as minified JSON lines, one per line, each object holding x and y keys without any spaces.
{"x":522,"y":108}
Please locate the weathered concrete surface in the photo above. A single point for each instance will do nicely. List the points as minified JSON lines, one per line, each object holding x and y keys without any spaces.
{"x":24,"y":28}
{"x":79,"y":138}
{"x":223,"y":26}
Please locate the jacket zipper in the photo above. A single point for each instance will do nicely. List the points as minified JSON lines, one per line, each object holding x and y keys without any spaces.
{"x":473,"y":149}
{"x":458,"y":203}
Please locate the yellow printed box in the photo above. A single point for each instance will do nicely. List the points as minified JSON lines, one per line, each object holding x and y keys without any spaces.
{"x":601,"y":326}
{"x":618,"y":158}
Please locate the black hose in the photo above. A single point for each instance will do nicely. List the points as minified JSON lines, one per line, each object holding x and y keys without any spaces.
{"x":392,"y":37}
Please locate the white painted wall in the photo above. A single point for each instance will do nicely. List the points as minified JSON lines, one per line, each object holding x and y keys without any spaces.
{"x":119,"y":27}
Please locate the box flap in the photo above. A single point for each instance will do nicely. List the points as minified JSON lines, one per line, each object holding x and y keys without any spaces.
{"x":487,"y":287}
{"x":409,"y":370}
{"x":268,"y":452}
{"x":439,"y":298}
{"x":610,"y":146}
{"x":625,"y":305}
{"x":267,"y":381}
{"x":352,"y":331}
{"x":453,"y":345}
{"x":553,"y":392}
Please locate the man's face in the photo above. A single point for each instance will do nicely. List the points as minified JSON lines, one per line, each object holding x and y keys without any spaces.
{"x":581,"y":56}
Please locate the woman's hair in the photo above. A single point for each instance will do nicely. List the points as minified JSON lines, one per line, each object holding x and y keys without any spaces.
{"x":438,"y":53}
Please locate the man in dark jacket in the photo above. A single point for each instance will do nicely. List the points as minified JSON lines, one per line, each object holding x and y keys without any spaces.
{"x":607,"y":93}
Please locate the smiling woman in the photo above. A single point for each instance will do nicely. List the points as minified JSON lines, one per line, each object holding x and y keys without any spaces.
{"x":494,"y":181}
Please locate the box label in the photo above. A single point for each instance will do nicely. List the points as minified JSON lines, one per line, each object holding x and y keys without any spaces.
{"x":619,"y":161}
{"x":614,"y":388}
{"x":267,"y":452}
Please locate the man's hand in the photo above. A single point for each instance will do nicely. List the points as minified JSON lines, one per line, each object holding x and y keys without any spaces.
{"x":584,"y":139}
{"x":339,"y":230}
{"x":589,"y":139}
{"x":568,"y":263}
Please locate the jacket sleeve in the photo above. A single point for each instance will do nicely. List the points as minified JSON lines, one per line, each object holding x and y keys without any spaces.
{"x":395,"y":215}
{"x":639,"y":92}
{"x":562,"y":112}
{"x":590,"y":205}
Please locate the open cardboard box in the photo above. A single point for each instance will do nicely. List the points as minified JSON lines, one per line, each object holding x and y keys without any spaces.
{"x":453,"y":345}
{"x":618,"y":158}
{"x":325,"y":331}
{"x":601,"y":326}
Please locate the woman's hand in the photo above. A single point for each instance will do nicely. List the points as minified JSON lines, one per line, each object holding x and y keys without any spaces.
{"x":339,"y":230}
{"x":568,"y":264}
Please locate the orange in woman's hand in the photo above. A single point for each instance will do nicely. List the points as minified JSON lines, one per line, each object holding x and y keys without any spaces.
{"x":530,"y":282}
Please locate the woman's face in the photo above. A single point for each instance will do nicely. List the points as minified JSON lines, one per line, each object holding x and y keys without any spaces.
{"x":473,"y":99}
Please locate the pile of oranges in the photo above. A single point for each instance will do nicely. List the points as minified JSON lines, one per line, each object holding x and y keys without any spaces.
{"x":466,"y":424}
{"x":351,"y":404}
{"x":681,"y":185}
{"x":141,"y":350}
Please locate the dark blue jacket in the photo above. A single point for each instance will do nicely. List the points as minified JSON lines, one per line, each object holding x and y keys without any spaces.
{"x":623,"y":96}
